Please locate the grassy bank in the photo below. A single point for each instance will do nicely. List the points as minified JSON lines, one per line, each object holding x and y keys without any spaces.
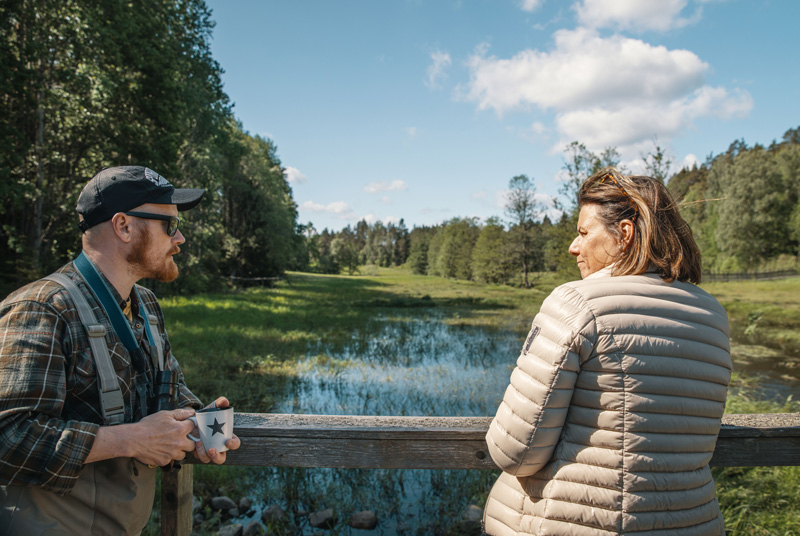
{"x":247,"y":345}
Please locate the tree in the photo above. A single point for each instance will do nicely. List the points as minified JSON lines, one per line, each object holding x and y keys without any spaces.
{"x":420,"y":239}
{"x":578,"y":166}
{"x":490,"y":259}
{"x":398,"y":236}
{"x":657,"y":163}
{"x":322,"y":259}
{"x":522,"y":208}
{"x":450,"y":252}
{"x":258,"y":211}
{"x":558,"y":238}
{"x":343,"y":249}
{"x":86,"y":85}
{"x":756,"y":213}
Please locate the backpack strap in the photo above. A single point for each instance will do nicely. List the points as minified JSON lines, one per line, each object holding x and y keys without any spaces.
{"x":112,"y":403}
{"x":153,"y":335}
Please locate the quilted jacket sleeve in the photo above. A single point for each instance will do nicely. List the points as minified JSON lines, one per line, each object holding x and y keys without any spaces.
{"x":528,"y":423}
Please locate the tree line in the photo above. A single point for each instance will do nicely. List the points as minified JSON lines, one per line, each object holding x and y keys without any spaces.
{"x":743,"y":206}
{"x":86,"y":85}
{"x":91,"y":84}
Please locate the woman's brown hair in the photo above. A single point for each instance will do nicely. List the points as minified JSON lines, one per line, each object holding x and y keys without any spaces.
{"x":661,"y":238}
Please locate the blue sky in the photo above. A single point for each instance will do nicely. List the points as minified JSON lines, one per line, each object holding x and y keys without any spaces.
{"x":423,"y":110}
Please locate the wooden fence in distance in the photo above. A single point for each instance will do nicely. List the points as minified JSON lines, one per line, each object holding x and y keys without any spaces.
{"x":755,"y":276}
{"x":429,"y":443}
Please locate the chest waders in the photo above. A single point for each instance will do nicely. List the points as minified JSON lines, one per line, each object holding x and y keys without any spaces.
{"x":114,"y":496}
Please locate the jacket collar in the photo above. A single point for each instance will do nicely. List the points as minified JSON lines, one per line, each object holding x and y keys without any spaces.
{"x":604,"y":272}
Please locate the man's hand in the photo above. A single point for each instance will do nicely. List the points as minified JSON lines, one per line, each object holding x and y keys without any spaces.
{"x":155,"y":440}
{"x":213,"y":455}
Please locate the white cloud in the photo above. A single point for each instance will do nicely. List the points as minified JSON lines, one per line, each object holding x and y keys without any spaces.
{"x":412,"y":132}
{"x":294,"y":175}
{"x":625,"y":126}
{"x":605,"y":91}
{"x":338,"y":208}
{"x":436,"y":70}
{"x":636,"y":15}
{"x":689,"y":161}
{"x":583,"y":68}
{"x":479,"y":196}
{"x":386,"y":200}
{"x":371,"y":218}
{"x":377,"y":187}
{"x":530,"y":5}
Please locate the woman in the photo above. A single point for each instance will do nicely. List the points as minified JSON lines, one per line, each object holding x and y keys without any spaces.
{"x":614,"y":407}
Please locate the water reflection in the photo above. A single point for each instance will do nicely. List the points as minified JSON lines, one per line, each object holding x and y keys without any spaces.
{"x":777,"y":374}
{"x":412,"y":366}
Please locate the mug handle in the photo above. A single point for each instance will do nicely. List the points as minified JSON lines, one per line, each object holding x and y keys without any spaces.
{"x":190,"y":436}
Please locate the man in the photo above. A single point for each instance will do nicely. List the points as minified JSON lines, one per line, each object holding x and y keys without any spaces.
{"x":65,"y":466}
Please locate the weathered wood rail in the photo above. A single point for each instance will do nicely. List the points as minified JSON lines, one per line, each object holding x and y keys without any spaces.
{"x":274,"y":440}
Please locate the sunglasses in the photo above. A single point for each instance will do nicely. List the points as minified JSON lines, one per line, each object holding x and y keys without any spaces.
{"x":172,"y":221}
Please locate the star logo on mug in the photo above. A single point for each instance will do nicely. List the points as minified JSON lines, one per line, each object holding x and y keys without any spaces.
{"x":216,"y":427}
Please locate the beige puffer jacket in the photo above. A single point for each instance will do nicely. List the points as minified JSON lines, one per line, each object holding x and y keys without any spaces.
{"x":612,"y":413}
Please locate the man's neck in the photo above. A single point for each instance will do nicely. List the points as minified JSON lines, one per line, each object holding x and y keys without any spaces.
{"x":115,"y":271}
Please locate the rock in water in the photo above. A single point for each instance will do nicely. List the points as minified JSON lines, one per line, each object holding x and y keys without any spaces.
{"x":322,"y":520}
{"x":231,"y":530}
{"x":366,"y":520}
{"x":273,"y":513}
{"x":222,"y":503}
{"x":253,"y":529}
{"x":473,"y":513}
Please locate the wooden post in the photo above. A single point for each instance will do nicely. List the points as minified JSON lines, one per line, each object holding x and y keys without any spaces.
{"x":176,"y":501}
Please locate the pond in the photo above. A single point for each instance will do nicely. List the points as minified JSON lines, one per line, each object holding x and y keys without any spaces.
{"x":421,"y":365}
{"x":415,"y":366}
{"x":406,"y":366}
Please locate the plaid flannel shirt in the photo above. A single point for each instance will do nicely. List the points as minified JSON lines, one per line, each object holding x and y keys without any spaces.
{"x":49,"y":398}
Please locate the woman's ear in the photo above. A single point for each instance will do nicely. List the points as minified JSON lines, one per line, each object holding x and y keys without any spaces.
{"x":626,"y":230}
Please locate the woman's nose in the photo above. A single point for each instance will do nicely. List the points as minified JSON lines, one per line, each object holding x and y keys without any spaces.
{"x":574,"y":249}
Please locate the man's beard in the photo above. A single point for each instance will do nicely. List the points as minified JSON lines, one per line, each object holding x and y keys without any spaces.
{"x":149,"y":262}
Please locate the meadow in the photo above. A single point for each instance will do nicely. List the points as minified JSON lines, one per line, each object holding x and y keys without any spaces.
{"x":252,"y":344}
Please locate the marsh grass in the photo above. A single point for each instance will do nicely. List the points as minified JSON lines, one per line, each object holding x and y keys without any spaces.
{"x":763,"y":313}
{"x":253,"y":345}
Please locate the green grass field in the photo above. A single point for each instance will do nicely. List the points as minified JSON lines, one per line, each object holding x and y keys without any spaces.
{"x":246,"y":345}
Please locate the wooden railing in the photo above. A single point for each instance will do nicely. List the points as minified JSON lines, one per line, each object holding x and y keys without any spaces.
{"x":429,"y":443}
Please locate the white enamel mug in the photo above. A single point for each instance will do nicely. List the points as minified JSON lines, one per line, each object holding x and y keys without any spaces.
{"x":215,"y":426}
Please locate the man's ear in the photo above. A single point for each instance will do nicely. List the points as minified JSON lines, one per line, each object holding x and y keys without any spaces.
{"x":122,"y":224}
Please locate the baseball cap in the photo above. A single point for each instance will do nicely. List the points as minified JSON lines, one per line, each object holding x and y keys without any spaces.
{"x":119,"y":189}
